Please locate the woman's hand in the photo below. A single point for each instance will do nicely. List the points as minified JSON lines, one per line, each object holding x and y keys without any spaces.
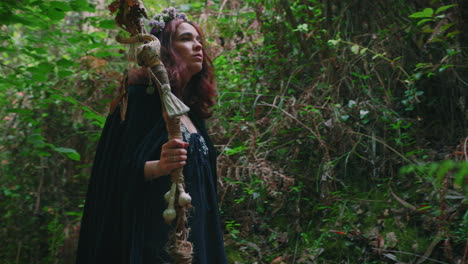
{"x":173,"y":156}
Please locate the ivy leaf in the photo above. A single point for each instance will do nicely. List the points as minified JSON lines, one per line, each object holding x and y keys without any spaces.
{"x":428,"y":12}
{"x":69,"y":152}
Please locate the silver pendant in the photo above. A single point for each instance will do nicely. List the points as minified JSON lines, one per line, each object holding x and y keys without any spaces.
{"x":150,"y":89}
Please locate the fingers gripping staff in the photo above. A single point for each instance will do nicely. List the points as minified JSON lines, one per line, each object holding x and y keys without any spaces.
{"x":129,"y":17}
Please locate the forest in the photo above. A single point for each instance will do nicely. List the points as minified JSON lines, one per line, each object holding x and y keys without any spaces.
{"x":340,"y":125}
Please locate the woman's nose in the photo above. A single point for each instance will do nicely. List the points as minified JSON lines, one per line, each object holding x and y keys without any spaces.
{"x":197,"y":45}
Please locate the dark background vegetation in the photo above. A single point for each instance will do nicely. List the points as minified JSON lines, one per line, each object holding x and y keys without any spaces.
{"x":341,"y":126}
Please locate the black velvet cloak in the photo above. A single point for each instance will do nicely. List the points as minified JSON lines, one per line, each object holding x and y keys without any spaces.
{"x":122,"y":219}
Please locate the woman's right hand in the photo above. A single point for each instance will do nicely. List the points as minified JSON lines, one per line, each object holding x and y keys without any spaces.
{"x":173,"y":156}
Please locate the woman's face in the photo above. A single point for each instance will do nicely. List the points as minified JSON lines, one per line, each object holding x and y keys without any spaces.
{"x":187,"y":44}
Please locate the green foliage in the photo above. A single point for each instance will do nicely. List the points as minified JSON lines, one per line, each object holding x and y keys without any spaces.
{"x":340,"y":99}
{"x":54,"y":85}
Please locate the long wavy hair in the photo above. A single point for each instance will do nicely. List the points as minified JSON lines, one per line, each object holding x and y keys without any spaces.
{"x":200,"y":91}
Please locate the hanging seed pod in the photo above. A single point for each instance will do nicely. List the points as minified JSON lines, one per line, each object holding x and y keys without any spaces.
{"x":170,"y":214}
{"x":167,"y":196}
{"x":184,"y":198}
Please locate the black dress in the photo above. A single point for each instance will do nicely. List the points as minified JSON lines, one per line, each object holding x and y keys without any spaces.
{"x":122,"y":219}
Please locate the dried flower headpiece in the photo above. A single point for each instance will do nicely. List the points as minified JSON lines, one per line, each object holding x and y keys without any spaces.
{"x":160,"y":20}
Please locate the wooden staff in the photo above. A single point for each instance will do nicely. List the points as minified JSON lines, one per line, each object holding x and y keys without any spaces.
{"x":129,"y":17}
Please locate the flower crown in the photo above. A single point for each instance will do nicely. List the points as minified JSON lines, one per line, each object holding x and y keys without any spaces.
{"x":160,"y":20}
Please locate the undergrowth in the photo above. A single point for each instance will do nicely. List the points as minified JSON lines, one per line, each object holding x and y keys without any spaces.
{"x":340,"y":126}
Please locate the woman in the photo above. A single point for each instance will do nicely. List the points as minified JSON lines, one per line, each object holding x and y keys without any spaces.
{"x":122,"y":221}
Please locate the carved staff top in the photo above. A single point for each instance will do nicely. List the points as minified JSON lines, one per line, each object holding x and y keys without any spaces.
{"x":129,"y":16}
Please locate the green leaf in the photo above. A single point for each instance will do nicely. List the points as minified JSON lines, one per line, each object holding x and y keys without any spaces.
{"x":16,"y":19}
{"x":460,"y":176}
{"x":37,"y":140}
{"x":43,"y":153}
{"x":198,"y":5}
{"x":45,"y":67}
{"x":81,"y":5}
{"x":424,"y":208}
{"x":20,"y":111}
{"x":65,"y":63}
{"x":364,"y":77}
{"x":443,"y":8}
{"x":54,"y":13}
{"x":344,"y":118}
{"x":38,"y":76}
{"x":446,"y":26}
{"x":107,"y":24}
{"x":64,"y":73}
{"x":422,"y":21}
{"x":230,"y":151}
{"x":428,"y":12}
{"x":104,"y":54}
{"x":74,"y":213}
{"x":3,"y":49}
{"x":453,"y":33}
{"x":69,"y":152}
{"x":62,"y":6}
{"x":97,"y":119}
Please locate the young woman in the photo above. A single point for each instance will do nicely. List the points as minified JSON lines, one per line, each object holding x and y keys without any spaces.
{"x":122,"y":220}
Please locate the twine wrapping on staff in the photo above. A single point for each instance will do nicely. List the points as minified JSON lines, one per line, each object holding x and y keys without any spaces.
{"x":149,"y":56}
